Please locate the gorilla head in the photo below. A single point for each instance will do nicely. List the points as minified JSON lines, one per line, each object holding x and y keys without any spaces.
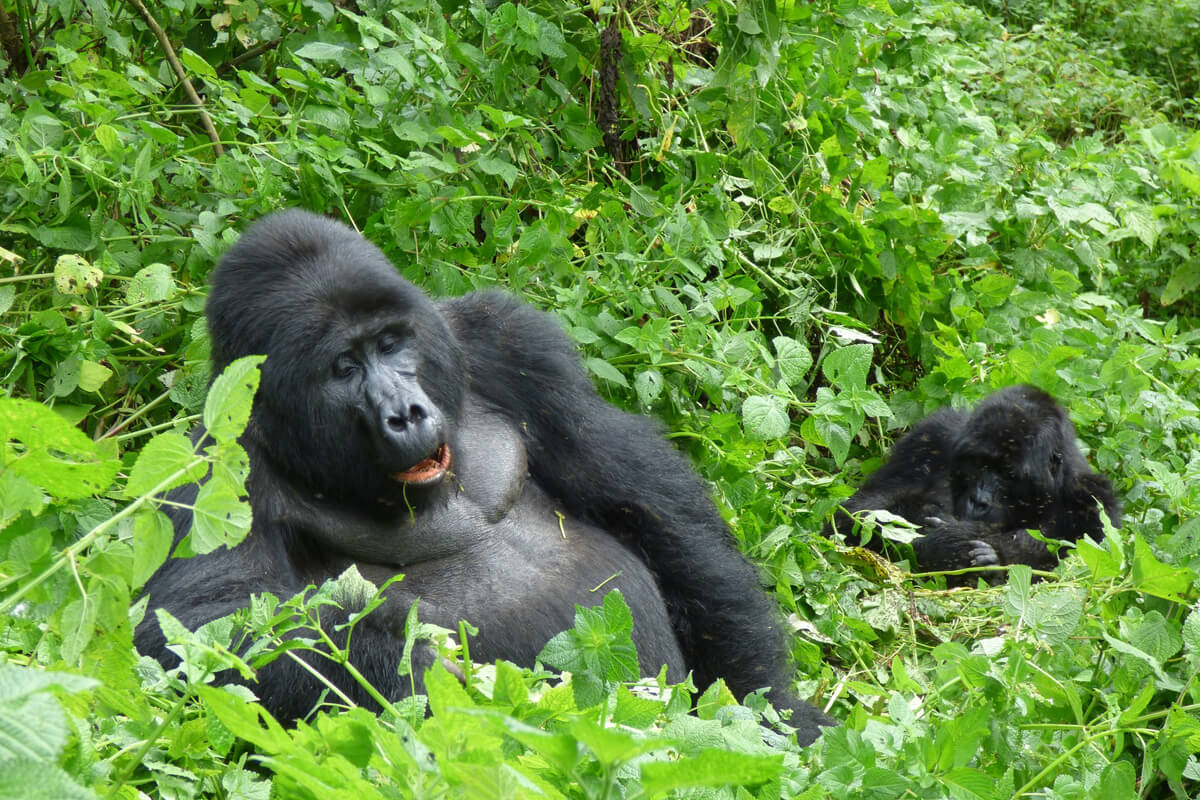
{"x":361,"y":361}
{"x":1009,"y":462}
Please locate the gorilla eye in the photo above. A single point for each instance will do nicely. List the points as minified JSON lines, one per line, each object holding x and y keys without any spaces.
{"x":389,"y":343}
{"x":344,"y":366}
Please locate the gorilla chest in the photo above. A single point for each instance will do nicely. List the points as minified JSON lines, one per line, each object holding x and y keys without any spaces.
{"x":521,"y":577}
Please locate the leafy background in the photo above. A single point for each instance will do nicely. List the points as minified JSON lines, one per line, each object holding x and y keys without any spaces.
{"x":788,"y":229}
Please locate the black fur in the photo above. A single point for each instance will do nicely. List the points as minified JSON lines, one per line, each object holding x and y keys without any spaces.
{"x":551,"y":490}
{"x":975,"y":483}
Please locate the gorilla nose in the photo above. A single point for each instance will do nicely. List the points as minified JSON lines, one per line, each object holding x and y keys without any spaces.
{"x":400,"y":420}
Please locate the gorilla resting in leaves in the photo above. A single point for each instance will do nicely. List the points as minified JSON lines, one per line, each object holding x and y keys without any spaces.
{"x":461,"y":443}
{"x":975,"y":482}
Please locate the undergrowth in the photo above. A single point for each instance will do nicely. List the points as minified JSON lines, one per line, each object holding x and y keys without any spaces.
{"x":809,"y":225}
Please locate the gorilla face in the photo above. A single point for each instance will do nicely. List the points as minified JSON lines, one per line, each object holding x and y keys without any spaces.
{"x":363,"y":381}
{"x":376,"y":379}
{"x":1008,"y":461}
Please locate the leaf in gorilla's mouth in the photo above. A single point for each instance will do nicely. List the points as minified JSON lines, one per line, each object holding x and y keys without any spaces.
{"x":429,"y":470}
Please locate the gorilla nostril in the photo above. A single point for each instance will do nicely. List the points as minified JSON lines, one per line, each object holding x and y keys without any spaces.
{"x":397,"y":422}
{"x":417,"y":413}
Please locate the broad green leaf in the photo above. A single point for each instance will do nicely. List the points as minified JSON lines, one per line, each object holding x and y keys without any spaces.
{"x":248,"y":721}
{"x":847,"y":367}
{"x":66,"y":376}
{"x":649,"y":385}
{"x":44,"y":449}
{"x":227,"y":408}
{"x":26,"y":779}
{"x":973,"y":784}
{"x":322,"y":51}
{"x":93,"y":375}
{"x":1185,"y":279}
{"x":834,"y":435}
{"x":765,"y":417}
{"x":1154,"y":577}
{"x":605,"y":370}
{"x":152,"y":284}
{"x":18,"y":495}
{"x":74,"y":274}
{"x":79,"y":623}
{"x":220,"y":518}
{"x":163,"y":456}
{"x":710,"y":768}
{"x":196,"y":64}
{"x":500,"y":168}
{"x":152,"y":538}
{"x":792,"y":358}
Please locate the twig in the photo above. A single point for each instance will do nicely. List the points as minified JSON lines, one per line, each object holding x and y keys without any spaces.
{"x":253,"y":52}
{"x":190,"y":90}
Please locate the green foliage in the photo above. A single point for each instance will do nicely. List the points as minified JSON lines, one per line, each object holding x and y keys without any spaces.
{"x":823,"y":221}
{"x":1159,"y":38}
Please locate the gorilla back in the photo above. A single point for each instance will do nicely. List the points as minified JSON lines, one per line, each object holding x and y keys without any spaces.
{"x":461,"y":443}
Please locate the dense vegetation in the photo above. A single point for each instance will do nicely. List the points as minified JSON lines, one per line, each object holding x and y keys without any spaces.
{"x":787,"y":229}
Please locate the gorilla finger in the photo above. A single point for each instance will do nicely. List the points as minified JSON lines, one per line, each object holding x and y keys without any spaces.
{"x":982,"y":554}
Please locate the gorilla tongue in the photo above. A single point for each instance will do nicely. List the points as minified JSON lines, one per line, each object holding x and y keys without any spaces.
{"x":428,"y":470}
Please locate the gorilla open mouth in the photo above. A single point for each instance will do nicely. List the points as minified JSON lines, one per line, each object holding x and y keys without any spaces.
{"x":428,"y":470}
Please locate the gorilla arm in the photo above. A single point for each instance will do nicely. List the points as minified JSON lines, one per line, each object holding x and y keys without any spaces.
{"x":616,"y":470}
{"x":276,"y":558}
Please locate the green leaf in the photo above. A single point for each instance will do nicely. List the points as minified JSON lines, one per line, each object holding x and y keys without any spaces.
{"x":18,"y":495}
{"x":792,"y":358}
{"x":51,"y":454}
{"x":649,"y":385}
{"x":25,"y":779}
{"x":322,"y":51}
{"x":848,"y":366}
{"x":605,"y":370}
{"x":1154,"y":635}
{"x":972,"y":784}
{"x":196,"y":64}
{"x":152,"y":284}
{"x":92,"y":375}
{"x":1191,"y":632}
{"x":227,"y":408}
{"x":248,"y":721}
{"x":33,"y":725}
{"x":1118,"y":781}
{"x":500,"y":168}
{"x":611,"y":745}
{"x":1185,"y":279}
{"x":73,"y":274}
{"x":220,"y":518}
{"x":163,"y":456}
{"x":1156,"y":578}
{"x":834,"y":435}
{"x":710,"y":768}
{"x":66,"y":376}
{"x":765,"y":417}
{"x":152,"y":538}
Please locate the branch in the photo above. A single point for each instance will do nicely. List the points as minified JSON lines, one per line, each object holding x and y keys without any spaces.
{"x":190,"y":90}
{"x":12,"y":42}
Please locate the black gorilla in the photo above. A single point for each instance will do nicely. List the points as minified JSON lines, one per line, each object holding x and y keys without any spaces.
{"x":975,"y":483}
{"x":461,"y":443}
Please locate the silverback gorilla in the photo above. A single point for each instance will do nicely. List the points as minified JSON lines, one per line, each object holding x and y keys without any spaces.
{"x":976,"y":482}
{"x":461,"y":443}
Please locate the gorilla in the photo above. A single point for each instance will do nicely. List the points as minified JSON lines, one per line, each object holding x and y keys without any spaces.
{"x":458,"y":442}
{"x":976,"y":482}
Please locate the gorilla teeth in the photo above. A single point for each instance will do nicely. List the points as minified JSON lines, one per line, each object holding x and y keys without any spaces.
{"x":429,"y":470}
